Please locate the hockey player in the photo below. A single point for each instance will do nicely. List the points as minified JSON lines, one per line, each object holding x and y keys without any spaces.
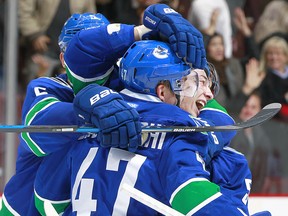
{"x":48,"y":100}
{"x":167,"y":166}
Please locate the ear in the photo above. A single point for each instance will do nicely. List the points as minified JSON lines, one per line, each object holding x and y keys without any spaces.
{"x":61,"y":57}
{"x":165,"y":94}
{"x":160,"y":90}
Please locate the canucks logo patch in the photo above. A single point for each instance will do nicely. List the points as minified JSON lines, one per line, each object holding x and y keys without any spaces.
{"x":160,"y":52}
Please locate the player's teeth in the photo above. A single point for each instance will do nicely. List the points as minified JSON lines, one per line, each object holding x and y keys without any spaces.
{"x":200,"y":104}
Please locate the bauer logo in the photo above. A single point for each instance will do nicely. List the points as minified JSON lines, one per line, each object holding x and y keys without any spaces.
{"x":150,"y":20}
{"x":102,"y":94}
{"x":160,"y":52}
{"x":183,"y":130}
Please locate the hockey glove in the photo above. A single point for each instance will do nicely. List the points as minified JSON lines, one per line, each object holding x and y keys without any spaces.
{"x":183,"y":37}
{"x":118,"y":122}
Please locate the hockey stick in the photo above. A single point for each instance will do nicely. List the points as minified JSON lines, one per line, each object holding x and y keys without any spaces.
{"x":265,"y":114}
{"x":268,"y":112}
{"x":150,"y":201}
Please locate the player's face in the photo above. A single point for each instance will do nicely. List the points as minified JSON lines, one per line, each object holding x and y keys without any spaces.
{"x":194,"y":94}
{"x":194,"y":103}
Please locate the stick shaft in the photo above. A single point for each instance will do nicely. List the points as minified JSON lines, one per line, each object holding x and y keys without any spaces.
{"x":265,"y":114}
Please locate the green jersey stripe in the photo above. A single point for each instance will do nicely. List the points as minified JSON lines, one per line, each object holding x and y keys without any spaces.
{"x":214,"y":105}
{"x":6,"y":209}
{"x":59,"y":206}
{"x":32,"y":145}
{"x":193,"y":195}
{"x":38,"y":107}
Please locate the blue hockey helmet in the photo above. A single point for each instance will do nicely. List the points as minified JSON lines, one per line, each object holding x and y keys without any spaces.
{"x":148,"y":62}
{"x":79,"y":22}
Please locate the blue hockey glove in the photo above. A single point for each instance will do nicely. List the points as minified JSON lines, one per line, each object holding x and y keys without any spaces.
{"x":118,"y":122}
{"x":183,"y":37}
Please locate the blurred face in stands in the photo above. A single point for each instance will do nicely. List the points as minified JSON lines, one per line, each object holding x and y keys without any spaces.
{"x":215,"y":48}
{"x":251,"y":107}
{"x":276,"y":58}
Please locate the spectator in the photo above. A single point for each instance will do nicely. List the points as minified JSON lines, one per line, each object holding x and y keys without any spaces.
{"x":250,"y":47}
{"x":40,"y":23}
{"x":273,"y":19}
{"x":141,"y":5}
{"x":235,"y":83}
{"x":254,"y":9}
{"x":274,"y":62}
{"x":123,"y":11}
{"x":182,"y":6}
{"x":254,"y":143}
{"x":200,"y":13}
{"x":232,"y":5}
{"x":274,"y":88}
{"x":253,"y":75}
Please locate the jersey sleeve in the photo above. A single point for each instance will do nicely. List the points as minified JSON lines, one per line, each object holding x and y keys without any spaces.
{"x":216,"y":115}
{"x":52,"y":182}
{"x":47,"y":102}
{"x":231,"y":172}
{"x":99,"y":48}
{"x":187,"y":182}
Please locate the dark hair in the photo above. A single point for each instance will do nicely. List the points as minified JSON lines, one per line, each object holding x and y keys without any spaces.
{"x":210,"y":37}
{"x":165,"y":83}
{"x":256,"y":92}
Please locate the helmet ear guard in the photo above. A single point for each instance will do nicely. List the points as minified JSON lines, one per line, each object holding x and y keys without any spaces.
{"x":79,"y":22}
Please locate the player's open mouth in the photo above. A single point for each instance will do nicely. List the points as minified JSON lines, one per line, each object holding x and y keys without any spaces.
{"x":200,"y":104}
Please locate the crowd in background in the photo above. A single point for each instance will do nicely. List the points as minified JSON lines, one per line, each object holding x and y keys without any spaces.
{"x":247,"y":42}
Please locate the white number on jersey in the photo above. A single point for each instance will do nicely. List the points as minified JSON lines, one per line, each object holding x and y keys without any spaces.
{"x":84,"y":205}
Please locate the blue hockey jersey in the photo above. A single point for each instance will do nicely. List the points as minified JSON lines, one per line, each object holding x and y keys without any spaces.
{"x":90,"y":177}
{"x":44,"y":96}
{"x":49,"y":102}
